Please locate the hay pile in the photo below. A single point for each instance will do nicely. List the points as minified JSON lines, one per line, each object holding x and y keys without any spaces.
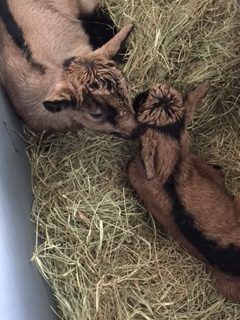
{"x":100,"y":250}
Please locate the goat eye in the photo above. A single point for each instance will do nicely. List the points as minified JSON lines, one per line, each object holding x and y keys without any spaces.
{"x":93,"y":86}
{"x":110,"y":86}
{"x":96,"y":115}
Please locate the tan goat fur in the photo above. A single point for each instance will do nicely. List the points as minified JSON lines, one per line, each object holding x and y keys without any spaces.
{"x":184,"y":194}
{"x":54,"y":78}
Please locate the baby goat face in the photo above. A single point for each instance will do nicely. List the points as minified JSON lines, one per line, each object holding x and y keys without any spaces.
{"x":98,"y":91}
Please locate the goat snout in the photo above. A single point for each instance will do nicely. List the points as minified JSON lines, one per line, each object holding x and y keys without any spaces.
{"x":129,"y":136}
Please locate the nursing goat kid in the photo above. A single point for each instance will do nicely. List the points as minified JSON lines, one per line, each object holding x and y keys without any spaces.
{"x":52,"y":74}
{"x":185,"y":195}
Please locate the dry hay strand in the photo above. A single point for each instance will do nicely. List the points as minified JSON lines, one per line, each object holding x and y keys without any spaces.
{"x":99,"y":249}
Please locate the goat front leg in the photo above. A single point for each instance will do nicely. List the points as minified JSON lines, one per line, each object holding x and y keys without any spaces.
{"x":137,"y":177}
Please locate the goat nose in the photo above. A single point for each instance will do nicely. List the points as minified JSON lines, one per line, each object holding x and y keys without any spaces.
{"x":129,"y":136}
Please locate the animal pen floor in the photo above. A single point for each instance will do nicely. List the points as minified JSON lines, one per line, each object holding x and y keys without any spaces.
{"x":99,"y":249}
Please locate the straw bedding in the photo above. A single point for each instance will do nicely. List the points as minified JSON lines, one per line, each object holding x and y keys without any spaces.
{"x":96,"y":246}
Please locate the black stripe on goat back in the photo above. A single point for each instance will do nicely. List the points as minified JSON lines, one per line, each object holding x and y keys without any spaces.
{"x":226,"y":259}
{"x":16,"y":34}
{"x":173,"y":130}
{"x":100,"y":28}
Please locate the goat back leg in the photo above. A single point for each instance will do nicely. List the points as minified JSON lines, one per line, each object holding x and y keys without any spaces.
{"x":211,"y":172}
{"x":228,"y":286}
{"x":135,"y":171}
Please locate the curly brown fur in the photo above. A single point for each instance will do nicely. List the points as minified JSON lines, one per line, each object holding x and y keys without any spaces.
{"x":52,"y":74}
{"x":186,"y":195}
{"x":164,"y":106}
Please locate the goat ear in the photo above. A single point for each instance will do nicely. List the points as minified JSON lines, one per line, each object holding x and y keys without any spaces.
{"x":140,"y":99}
{"x":113,"y":46}
{"x":195,"y":97}
{"x":148,"y":154}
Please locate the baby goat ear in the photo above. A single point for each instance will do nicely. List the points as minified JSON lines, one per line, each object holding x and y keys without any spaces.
{"x":194,"y":98}
{"x":113,"y":46}
{"x":139,"y":100}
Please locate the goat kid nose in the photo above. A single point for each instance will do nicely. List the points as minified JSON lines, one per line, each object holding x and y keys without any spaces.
{"x":129,"y":136}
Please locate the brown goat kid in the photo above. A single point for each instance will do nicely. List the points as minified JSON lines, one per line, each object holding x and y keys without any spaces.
{"x":184,"y":194}
{"x":54,"y":78}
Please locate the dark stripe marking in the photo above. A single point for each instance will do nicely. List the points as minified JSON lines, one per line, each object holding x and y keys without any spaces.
{"x":68,"y":62}
{"x":173,"y":130}
{"x":16,"y":34}
{"x":226,"y":259}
